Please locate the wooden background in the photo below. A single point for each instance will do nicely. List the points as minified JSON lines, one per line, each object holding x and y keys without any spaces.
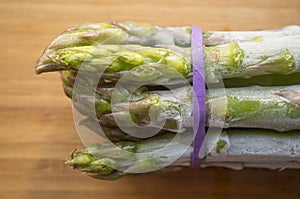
{"x":37,"y":130}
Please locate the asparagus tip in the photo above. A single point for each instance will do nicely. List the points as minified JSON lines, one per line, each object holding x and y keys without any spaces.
{"x":49,"y":67}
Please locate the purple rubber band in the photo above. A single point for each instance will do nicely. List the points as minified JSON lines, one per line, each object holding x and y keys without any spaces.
{"x":199,"y":114}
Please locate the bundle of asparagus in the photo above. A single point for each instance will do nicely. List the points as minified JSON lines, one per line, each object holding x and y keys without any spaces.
{"x":142,"y":99}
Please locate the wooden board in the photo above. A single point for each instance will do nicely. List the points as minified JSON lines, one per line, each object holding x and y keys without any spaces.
{"x":37,"y":130}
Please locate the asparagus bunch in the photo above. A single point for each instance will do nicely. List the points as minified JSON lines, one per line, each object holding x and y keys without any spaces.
{"x":160,"y":59}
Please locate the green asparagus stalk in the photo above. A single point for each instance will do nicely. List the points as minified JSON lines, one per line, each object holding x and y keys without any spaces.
{"x":238,"y":146}
{"x":267,"y":56}
{"x":152,"y":35}
{"x":276,"y":108}
{"x":148,"y":63}
{"x":69,"y":77}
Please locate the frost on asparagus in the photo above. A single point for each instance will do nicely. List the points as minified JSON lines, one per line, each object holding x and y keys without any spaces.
{"x":251,"y":107}
{"x":152,"y":35}
{"x":268,"y":56}
{"x":234,"y":146}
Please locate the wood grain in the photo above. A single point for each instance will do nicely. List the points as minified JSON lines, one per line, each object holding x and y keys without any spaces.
{"x":37,"y":130}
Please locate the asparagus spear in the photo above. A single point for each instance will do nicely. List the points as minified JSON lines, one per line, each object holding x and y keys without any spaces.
{"x":152,"y":35}
{"x":275,"y":108}
{"x":148,"y":63}
{"x":69,"y":77}
{"x":239,"y":146}
{"x":268,"y":56}
{"x":118,"y":33}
